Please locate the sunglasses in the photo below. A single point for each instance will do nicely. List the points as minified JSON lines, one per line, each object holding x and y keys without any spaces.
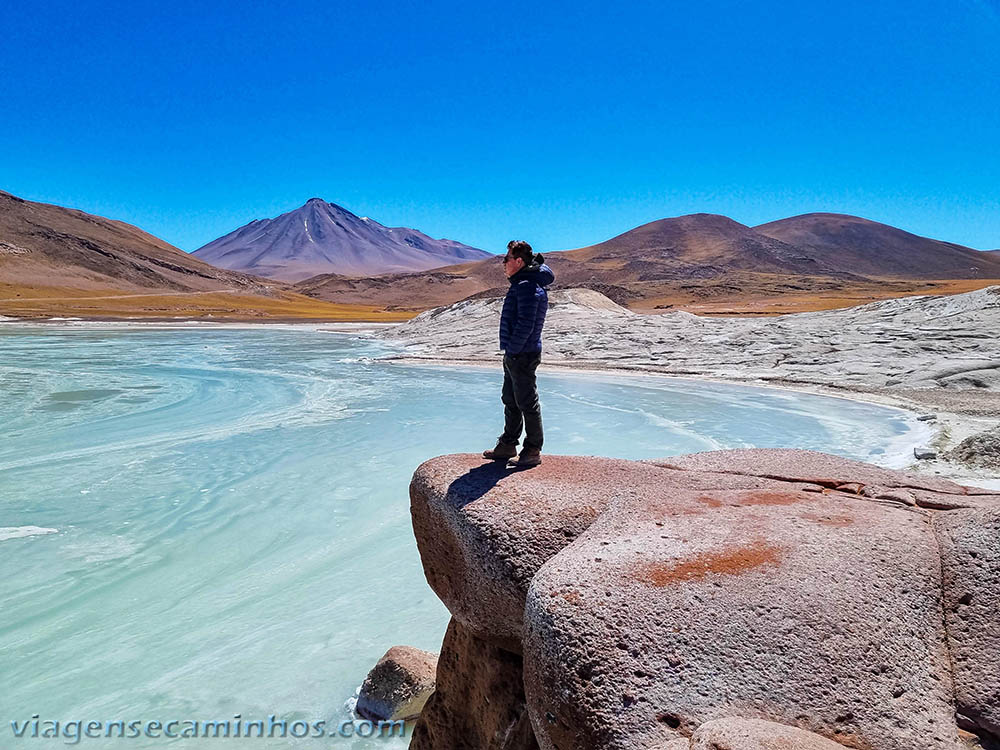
{"x":503,"y":260}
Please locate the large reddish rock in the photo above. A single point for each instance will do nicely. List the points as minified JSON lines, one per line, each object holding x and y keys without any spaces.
{"x":804,"y":608}
{"x":649,"y":599}
{"x":484,"y":529}
{"x":970,"y":561}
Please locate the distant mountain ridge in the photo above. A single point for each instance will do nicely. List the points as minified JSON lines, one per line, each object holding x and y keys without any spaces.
{"x":698,"y":246}
{"x":321,"y":237}
{"x":699,"y":257}
{"x":872,"y":249}
{"x":42,"y":245}
{"x":702,"y":262}
{"x":57,"y":261}
{"x":816,"y":244}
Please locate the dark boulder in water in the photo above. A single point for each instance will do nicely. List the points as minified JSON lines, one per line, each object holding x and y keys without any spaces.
{"x":399,"y":685}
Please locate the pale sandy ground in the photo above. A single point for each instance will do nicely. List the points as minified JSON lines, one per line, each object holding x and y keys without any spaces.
{"x":935,"y":355}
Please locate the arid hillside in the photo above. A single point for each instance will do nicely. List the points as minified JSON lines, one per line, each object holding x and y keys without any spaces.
{"x":57,"y":261}
{"x":60,"y":261}
{"x":710,"y":264}
{"x":872,"y":249}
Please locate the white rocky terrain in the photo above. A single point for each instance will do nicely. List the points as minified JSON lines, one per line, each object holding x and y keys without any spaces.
{"x":937,"y":353}
{"x":911,"y":343}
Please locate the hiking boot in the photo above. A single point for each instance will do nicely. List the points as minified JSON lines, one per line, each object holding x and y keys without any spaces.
{"x":502,"y":452}
{"x":529,"y":457}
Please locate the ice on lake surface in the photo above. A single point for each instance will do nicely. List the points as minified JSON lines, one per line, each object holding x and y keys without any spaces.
{"x":205,"y":522}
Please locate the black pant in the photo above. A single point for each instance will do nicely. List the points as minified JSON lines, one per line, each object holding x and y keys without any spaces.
{"x":520,"y":400}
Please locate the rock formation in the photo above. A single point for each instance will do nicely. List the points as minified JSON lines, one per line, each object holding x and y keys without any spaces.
{"x":929,"y":349}
{"x":735,"y":599}
{"x":980,"y":451}
{"x":399,"y":685}
{"x":479,"y":698}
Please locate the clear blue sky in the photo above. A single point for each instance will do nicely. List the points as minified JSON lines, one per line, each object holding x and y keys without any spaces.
{"x":563,"y":123}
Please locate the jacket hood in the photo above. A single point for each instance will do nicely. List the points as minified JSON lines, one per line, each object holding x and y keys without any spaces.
{"x":538,"y":272}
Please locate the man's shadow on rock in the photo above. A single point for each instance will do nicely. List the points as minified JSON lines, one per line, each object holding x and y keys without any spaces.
{"x":477,"y":482}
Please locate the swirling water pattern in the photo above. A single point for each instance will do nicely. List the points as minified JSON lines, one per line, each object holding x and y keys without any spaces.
{"x":203,"y":522}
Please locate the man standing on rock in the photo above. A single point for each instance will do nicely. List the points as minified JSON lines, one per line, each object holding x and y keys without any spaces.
{"x":521,"y":323}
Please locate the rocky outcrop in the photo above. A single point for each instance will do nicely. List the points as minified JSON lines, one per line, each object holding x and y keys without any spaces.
{"x":922,"y":347}
{"x":634,"y":604}
{"x":981,"y":451}
{"x":970,"y":559}
{"x":399,"y":685}
{"x":771,"y":604}
{"x":479,"y":701}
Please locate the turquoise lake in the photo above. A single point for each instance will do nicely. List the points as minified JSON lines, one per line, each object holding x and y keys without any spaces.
{"x":199,"y":522}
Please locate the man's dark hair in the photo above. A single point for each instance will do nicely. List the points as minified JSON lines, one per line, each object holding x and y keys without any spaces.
{"x":520,"y":249}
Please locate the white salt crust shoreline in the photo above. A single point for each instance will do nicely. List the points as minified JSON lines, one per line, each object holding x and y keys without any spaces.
{"x":926,"y":355}
{"x":947,"y":430}
{"x":942,"y":433}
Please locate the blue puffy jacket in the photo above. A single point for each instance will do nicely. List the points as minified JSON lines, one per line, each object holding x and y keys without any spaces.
{"x":524,"y":309}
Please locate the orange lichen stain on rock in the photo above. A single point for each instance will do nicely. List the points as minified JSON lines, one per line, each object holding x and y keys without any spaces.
{"x":732,"y":561}
{"x":771,"y":498}
{"x":572,"y":597}
{"x":828,"y":520}
{"x":753,"y":497}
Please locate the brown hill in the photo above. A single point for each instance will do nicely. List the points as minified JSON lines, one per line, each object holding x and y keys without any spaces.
{"x":407,"y":291}
{"x":878,"y":250}
{"x":702,"y":262}
{"x":52,"y":246}
{"x":56,"y":260}
{"x":697,"y":246}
